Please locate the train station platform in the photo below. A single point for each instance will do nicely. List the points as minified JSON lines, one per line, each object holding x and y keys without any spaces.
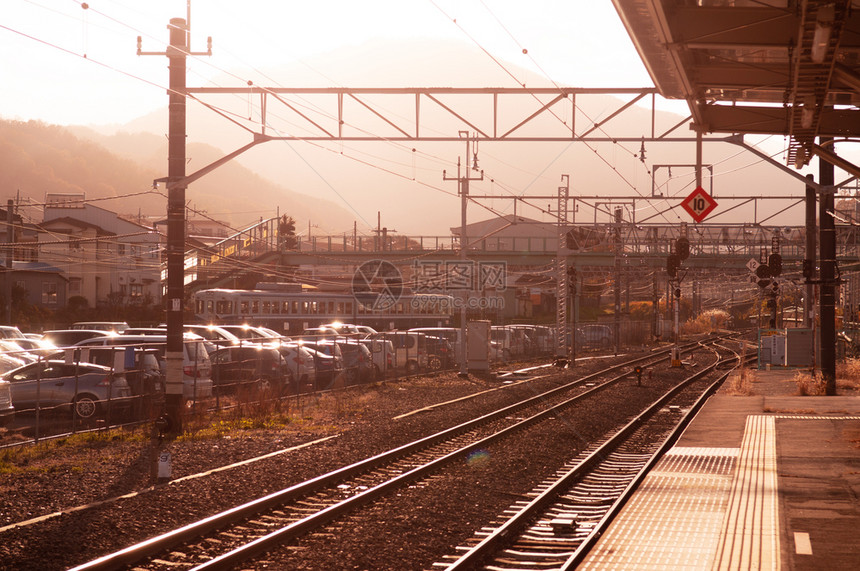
{"x":766,"y":481}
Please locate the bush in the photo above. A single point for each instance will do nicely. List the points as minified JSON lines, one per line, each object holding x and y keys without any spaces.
{"x":707,"y":322}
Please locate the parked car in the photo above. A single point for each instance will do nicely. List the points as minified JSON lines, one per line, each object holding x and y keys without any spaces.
{"x":68,"y":337}
{"x":140,"y":365}
{"x":145,"y":331}
{"x":301,"y":364}
{"x":443,"y":346}
{"x":9,"y":362}
{"x":357,"y":361}
{"x":321,"y":332}
{"x":7,"y":410}
{"x":382,"y":354}
{"x":115,"y":326}
{"x":410,"y":349}
{"x":252,"y":334}
{"x":328,"y":359}
{"x":10,"y":332}
{"x":348,"y":329}
{"x":213,"y":333}
{"x":11,"y":348}
{"x":264,"y":366}
{"x":85,"y":388}
{"x":38,"y":347}
{"x":594,"y":336}
{"x":196,"y":368}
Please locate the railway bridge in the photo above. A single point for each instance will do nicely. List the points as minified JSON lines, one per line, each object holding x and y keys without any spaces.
{"x":728,"y":248}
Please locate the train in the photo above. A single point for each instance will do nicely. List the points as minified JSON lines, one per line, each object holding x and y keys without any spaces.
{"x":291,"y":312}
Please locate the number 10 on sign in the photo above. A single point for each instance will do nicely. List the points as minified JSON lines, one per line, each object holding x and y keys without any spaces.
{"x":699,"y":204}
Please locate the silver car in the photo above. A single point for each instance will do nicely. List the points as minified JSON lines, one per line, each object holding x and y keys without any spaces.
{"x":84,"y":388}
{"x":7,"y":411}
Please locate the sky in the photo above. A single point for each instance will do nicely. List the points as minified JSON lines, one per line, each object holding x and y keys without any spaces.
{"x":70,"y":62}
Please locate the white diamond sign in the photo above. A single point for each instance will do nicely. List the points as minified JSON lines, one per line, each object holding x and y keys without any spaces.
{"x":753,"y":265}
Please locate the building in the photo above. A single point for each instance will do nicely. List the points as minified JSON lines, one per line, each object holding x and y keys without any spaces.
{"x":43,"y":284}
{"x":105,"y":258}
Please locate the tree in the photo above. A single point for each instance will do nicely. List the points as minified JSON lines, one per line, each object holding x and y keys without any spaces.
{"x":287,"y":233}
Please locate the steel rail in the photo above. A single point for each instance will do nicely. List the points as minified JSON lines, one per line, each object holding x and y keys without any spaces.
{"x":230,"y":559}
{"x":504,"y":534}
{"x":152,"y":546}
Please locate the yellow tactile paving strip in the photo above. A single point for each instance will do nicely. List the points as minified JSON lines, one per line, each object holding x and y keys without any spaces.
{"x":750,"y":537}
{"x":701,"y":508}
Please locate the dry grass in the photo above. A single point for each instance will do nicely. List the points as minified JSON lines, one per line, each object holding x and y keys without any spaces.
{"x":706,"y":322}
{"x":809,"y":384}
{"x":848,"y":375}
{"x":740,"y":385}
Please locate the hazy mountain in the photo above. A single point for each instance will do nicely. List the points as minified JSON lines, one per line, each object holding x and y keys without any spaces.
{"x":36,"y":159}
{"x":231,"y":192}
{"x":403,"y":182}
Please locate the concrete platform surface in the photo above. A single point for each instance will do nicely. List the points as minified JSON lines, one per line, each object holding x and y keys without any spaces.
{"x":770,"y":480}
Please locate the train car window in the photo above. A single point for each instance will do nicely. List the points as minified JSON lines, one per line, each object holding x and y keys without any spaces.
{"x":210,"y":305}
{"x":255,"y":307}
{"x":340,"y":308}
{"x":305,"y":305}
{"x":276,"y":307}
{"x":245,"y":306}
{"x":224,"y":307}
{"x":349,"y":308}
{"x":267,"y":307}
{"x":331,"y":307}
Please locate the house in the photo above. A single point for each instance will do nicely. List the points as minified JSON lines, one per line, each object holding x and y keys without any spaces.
{"x":45,"y":285}
{"x":106,"y":259}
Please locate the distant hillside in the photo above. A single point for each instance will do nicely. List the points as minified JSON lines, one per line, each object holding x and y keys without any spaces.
{"x":36,"y":159}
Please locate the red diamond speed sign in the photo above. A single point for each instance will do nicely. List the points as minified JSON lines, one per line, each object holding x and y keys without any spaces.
{"x":699,"y":204}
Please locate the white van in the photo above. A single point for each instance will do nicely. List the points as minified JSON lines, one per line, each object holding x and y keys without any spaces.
{"x":115,"y":326}
{"x":410,"y":349}
{"x":196,"y":368}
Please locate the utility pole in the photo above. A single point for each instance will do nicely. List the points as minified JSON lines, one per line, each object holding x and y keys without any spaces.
{"x":617,"y":285}
{"x":10,"y":257}
{"x":177,"y":53}
{"x":809,"y":266}
{"x":827,"y":234}
{"x":463,"y":180}
{"x":562,"y":277}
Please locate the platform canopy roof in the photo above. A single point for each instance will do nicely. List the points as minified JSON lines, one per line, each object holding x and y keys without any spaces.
{"x":784,"y":67}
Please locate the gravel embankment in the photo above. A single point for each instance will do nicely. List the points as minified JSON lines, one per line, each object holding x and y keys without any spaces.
{"x":408,"y":532}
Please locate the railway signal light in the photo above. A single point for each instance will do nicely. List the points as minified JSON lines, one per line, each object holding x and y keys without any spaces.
{"x":673,"y":262}
{"x":808,"y":270}
{"x":677,"y":292}
{"x":682,"y":248}
{"x":763,"y":272}
{"x":774,"y":262}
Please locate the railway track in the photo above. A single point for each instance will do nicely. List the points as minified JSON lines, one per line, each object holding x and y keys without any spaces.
{"x":569,"y":511}
{"x":223,"y":540}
